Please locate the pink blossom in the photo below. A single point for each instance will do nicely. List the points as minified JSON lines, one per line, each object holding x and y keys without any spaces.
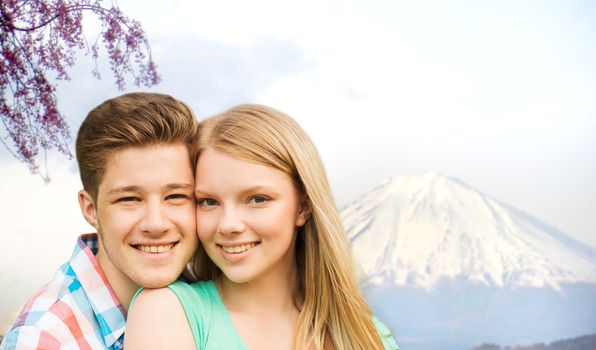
{"x":42,"y":36}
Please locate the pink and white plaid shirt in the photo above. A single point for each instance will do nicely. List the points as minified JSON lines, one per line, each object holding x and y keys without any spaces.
{"x":77,"y":310}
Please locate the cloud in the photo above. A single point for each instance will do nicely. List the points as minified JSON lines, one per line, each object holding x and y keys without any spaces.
{"x":38,"y":229}
{"x":213,"y":76}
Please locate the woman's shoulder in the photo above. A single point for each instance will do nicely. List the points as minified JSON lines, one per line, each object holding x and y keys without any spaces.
{"x":198,"y":285}
{"x":199,"y":300}
{"x":206,"y":314}
{"x":159,"y":313}
{"x":146,"y":299}
{"x":202,"y":289}
{"x":386,"y":335}
{"x":194,"y":298}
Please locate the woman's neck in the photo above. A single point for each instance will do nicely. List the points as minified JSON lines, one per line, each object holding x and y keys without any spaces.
{"x":264,"y":311}
{"x":277,"y":291}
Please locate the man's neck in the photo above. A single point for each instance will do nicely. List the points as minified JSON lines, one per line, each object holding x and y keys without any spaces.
{"x":120,"y":283}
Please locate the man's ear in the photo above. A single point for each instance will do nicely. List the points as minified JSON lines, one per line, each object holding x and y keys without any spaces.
{"x":303,"y":211}
{"x":88,"y":208}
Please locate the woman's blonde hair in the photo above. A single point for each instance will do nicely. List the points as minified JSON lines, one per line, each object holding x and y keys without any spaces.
{"x":334,"y":314}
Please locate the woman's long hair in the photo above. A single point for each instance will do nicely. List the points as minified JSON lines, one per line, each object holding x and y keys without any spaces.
{"x":334,"y":314}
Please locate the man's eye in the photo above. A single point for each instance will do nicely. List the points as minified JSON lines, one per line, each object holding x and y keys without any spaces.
{"x":177,"y":196}
{"x":206,"y":202}
{"x":128,"y":199}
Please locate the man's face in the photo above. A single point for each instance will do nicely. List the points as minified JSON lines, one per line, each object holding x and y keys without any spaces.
{"x":145,"y":216}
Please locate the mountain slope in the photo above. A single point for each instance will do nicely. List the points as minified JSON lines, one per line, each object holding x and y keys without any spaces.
{"x":420,"y":230}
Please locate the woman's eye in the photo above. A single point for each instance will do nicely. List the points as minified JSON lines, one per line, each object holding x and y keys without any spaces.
{"x":258,"y":200}
{"x":206,"y":202}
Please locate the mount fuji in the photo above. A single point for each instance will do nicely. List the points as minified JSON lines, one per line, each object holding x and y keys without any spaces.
{"x":449,"y":267}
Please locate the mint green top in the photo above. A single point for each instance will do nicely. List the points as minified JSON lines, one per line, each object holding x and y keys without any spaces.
{"x":210,"y":322}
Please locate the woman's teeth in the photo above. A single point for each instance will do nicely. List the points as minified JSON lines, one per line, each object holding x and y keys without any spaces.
{"x":238,"y":248}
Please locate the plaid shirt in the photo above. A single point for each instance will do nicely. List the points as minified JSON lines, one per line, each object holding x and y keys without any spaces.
{"x":77,"y":310}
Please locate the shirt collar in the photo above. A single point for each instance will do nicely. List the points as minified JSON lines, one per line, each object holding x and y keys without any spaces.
{"x":108,"y":310}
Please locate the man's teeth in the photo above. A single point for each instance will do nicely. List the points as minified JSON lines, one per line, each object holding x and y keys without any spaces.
{"x":238,"y":248}
{"x":155,"y":248}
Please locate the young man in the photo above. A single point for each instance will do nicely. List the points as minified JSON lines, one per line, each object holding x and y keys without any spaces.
{"x":133,"y":156}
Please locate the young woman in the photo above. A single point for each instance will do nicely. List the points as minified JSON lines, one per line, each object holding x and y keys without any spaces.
{"x":274,"y":266}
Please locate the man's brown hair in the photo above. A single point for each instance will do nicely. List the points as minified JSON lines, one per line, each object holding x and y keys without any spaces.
{"x":130,"y":120}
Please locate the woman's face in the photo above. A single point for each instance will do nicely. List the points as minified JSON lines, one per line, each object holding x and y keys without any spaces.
{"x":247,"y":215}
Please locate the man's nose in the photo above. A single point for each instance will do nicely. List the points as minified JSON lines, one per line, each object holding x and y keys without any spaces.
{"x":155,"y":219}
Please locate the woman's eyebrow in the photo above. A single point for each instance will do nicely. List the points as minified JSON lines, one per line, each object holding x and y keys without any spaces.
{"x":256,"y":188}
{"x":259,"y":188}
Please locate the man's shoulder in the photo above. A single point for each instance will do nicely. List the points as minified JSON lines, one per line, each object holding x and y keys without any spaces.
{"x":63,"y":313}
{"x":49,"y":316}
{"x":29,"y":337}
{"x":56,"y":335}
{"x":60,"y":290}
{"x":59,"y":316}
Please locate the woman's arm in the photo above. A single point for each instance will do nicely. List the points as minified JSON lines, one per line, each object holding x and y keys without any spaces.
{"x":156,"y":320}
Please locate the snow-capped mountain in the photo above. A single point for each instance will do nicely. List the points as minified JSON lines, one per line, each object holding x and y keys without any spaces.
{"x":420,"y":230}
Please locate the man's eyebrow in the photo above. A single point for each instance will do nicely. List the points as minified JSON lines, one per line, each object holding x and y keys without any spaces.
{"x":177,"y":185}
{"x":122,"y":189}
{"x":135,"y":188}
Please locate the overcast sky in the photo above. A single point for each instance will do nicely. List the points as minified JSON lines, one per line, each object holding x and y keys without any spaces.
{"x":500,"y":94}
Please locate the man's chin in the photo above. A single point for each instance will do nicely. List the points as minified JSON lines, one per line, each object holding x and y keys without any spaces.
{"x":157,"y":282}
